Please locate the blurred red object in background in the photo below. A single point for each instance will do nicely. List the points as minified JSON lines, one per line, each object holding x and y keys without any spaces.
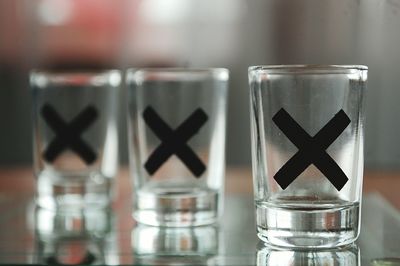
{"x":64,"y":32}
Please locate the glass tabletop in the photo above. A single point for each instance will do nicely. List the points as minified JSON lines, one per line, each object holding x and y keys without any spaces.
{"x":29,"y":235}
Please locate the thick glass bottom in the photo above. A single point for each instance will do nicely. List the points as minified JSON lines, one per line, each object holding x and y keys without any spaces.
{"x":59,"y":192}
{"x":175,"y":208}
{"x":308,"y":226}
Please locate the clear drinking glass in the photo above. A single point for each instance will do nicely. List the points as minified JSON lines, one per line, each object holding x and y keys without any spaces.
{"x":307,"y":146}
{"x":75,"y":145}
{"x":177,"y":144}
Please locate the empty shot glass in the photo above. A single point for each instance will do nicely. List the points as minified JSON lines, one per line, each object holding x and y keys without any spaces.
{"x":75,"y":143}
{"x":307,"y":151}
{"x":177,"y":144}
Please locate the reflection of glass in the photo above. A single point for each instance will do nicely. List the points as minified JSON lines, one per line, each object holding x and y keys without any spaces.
{"x":385,"y":262}
{"x":307,"y":142}
{"x":167,"y":246}
{"x":75,"y":137}
{"x":345,"y":256}
{"x":177,"y":144}
{"x":77,"y":238}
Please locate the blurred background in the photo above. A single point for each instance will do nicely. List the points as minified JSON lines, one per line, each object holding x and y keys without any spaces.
{"x":97,"y":34}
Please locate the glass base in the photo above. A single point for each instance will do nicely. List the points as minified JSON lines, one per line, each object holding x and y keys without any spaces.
{"x":176,"y":208}
{"x":308,"y":227}
{"x":56,"y":192}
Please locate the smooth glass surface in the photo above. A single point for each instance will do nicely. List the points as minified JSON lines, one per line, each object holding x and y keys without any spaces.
{"x":75,"y":114}
{"x":348,"y":255}
{"x":174,"y":194}
{"x":170,"y":246}
{"x":310,"y":211}
{"x":29,"y":235}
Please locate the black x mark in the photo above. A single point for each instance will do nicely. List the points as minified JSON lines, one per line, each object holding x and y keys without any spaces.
{"x":312,"y":150}
{"x":174,"y":141}
{"x":68,"y":134}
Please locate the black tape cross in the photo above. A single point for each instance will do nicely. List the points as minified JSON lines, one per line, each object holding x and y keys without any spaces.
{"x":174,"y":141}
{"x":312,"y":150}
{"x":68,"y":134}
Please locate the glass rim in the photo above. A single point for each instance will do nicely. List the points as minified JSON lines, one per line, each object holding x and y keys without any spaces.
{"x":42,"y":77}
{"x":177,"y":72}
{"x":78,"y":72}
{"x":289,"y":69}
